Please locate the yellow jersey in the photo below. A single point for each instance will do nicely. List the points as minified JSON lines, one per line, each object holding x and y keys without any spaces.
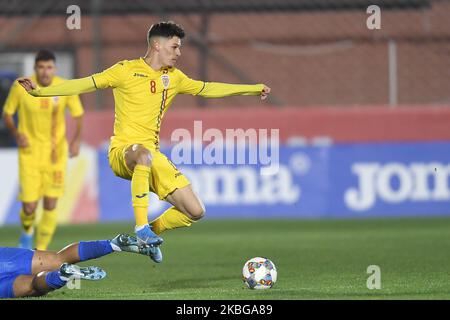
{"x":42,"y":120}
{"x":143,"y":95}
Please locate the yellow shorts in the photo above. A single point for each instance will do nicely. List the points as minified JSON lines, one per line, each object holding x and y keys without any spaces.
{"x":38,"y":182}
{"x":165,"y":178}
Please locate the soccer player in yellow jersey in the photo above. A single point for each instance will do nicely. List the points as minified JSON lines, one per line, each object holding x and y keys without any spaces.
{"x":43,"y":150}
{"x":143,"y":90}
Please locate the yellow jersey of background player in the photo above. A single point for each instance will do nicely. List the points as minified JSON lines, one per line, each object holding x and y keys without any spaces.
{"x":43,"y":148}
{"x":143,"y":90}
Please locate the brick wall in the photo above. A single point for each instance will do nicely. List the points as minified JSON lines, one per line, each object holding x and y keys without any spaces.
{"x":343,"y":125}
{"x":314,"y":58}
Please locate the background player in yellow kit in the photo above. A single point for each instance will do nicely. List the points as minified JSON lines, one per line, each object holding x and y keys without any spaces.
{"x":143,"y":90}
{"x":43,"y":150}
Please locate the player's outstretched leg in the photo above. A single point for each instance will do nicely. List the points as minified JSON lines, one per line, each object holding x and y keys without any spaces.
{"x":41,"y":280}
{"x":73,"y":253}
{"x":187,"y":209}
{"x":138,"y":159}
{"x":83,"y":251}
{"x":47,"y":281}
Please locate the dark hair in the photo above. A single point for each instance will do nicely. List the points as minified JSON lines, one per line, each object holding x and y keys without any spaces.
{"x":44,"y":55}
{"x":165,"y":29}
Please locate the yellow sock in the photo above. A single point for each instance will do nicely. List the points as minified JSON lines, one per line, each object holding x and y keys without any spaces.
{"x":171,"y":218}
{"x":141,"y":216}
{"x":139,"y":192}
{"x":46,"y":229}
{"x":27,"y":221}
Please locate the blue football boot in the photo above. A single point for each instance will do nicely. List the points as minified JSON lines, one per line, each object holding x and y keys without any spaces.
{"x":26,"y":240}
{"x":127,"y":243}
{"x":71,"y":271}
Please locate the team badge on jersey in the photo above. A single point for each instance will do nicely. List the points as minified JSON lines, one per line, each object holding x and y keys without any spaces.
{"x":165,"y":80}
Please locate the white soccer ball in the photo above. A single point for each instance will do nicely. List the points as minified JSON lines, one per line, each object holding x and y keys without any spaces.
{"x":259,"y":273}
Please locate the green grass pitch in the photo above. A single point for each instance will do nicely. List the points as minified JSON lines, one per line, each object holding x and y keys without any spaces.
{"x":315,"y":260}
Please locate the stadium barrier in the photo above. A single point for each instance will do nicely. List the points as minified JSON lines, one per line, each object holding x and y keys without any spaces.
{"x":334,"y":181}
{"x":373,"y":162}
{"x":346,"y":124}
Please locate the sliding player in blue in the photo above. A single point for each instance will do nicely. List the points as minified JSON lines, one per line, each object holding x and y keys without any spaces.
{"x":25,"y":273}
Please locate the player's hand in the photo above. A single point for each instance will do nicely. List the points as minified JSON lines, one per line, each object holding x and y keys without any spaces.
{"x":22,"y":140}
{"x":265,"y":92}
{"x":27,"y":84}
{"x":74,"y":148}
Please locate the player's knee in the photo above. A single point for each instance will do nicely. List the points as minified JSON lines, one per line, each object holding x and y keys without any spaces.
{"x":50,"y":205}
{"x":36,"y":288}
{"x":29,"y":208}
{"x":198,"y":212}
{"x":143,"y":157}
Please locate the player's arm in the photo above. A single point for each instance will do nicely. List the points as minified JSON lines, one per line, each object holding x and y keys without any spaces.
{"x":76,"y":112}
{"x":9,"y":109}
{"x":110,"y":78}
{"x":219,"y":90}
{"x":75,"y":142}
{"x":66,"y":88}
{"x":21,"y":139}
